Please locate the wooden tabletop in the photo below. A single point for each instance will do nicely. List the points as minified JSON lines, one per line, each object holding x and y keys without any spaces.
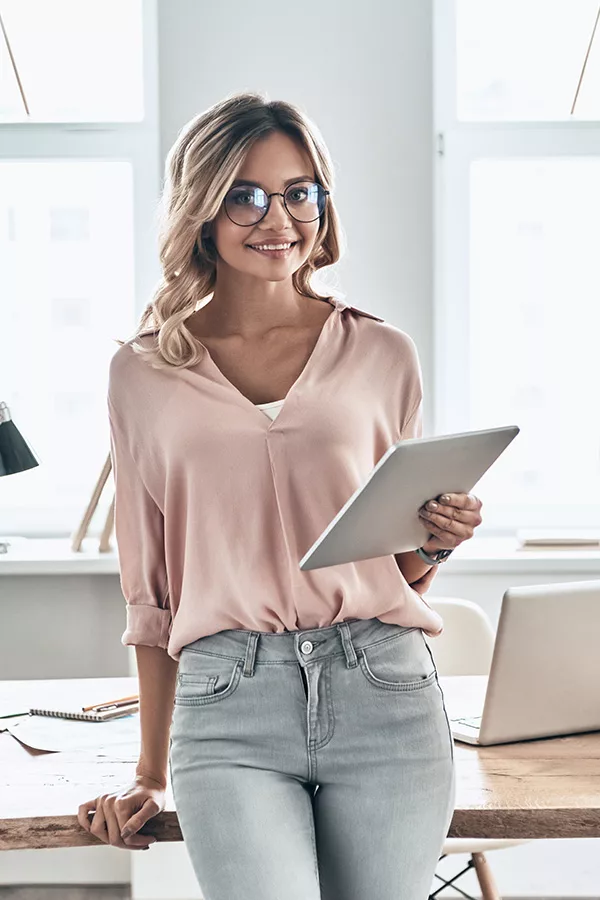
{"x":546,"y":788}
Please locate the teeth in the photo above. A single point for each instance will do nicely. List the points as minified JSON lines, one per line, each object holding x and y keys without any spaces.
{"x":271,"y":246}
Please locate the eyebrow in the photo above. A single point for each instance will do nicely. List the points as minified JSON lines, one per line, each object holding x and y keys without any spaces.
{"x":256,"y":184}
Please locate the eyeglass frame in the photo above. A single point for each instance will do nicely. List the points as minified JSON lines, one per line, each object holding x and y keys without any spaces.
{"x":277,"y":194}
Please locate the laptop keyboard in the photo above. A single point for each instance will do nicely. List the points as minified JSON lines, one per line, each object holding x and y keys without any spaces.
{"x":471,"y":721}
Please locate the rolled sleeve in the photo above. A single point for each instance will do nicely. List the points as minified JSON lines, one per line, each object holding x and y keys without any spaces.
{"x":148,"y":625}
{"x":139,"y":531}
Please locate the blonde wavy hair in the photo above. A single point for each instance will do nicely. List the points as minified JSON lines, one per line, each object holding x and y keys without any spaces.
{"x":200,"y":168}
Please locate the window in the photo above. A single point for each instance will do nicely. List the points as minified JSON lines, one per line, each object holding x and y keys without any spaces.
{"x":77,"y":256}
{"x":517,"y":190}
{"x":521,"y":61}
{"x":71,"y":61}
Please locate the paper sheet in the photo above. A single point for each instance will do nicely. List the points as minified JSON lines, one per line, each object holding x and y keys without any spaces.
{"x":119,"y":738}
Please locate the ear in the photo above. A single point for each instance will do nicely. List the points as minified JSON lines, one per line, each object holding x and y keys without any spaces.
{"x":205,"y":244}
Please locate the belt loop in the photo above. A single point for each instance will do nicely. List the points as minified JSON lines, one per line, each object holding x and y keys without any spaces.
{"x":351,"y":658}
{"x":250,"y":654}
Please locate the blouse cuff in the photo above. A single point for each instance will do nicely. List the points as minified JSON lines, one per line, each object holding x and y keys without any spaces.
{"x":421,"y":586}
{"x":429,"y":632}
{"x":147,"y":625}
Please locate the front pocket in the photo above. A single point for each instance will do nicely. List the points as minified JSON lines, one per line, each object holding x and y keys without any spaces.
{"x":400,"y":663}
{"x":203,"y":678}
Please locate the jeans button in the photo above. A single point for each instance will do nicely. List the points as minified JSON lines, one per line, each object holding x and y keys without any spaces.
{"x":306,"y":647}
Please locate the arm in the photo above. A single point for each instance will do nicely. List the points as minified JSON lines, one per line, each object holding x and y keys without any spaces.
{"x":415,"y":570}
{"x":417,"y":573}
{"x":118,"y":815}
{"x":157,"y":673}
{"x":139,"y":529}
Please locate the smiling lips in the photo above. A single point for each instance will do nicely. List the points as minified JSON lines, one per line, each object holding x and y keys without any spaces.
{"x":277,"y":251}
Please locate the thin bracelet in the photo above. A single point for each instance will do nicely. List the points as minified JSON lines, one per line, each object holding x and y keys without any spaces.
{"x":426,"y":558}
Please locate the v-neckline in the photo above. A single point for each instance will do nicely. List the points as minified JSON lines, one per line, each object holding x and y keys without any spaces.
{"x":269,"y":423}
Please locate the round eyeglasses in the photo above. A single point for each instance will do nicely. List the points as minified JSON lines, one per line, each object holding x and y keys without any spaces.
{"x":246,"y":204}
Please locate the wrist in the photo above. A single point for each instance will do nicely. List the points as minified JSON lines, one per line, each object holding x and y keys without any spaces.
{"x":430,"y":546}
{"x":432,"y":557}
{"x":158,"y":780}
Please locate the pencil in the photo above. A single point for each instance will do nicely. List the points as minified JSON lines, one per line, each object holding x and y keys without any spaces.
{"x":122,"y":701}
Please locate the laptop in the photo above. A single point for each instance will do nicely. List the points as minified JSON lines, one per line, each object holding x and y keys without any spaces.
{"x":544,"y":678}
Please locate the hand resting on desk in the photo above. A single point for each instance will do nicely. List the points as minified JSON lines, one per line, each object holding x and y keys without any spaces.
{"x":118,"y":816}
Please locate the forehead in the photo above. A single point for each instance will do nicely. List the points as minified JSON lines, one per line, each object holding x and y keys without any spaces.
{"x":284,"y":184}
{"x":275,"y":161}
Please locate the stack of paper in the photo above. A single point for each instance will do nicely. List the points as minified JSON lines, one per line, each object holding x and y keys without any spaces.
{"x":119,"y":738}
{"x":558,"y":539}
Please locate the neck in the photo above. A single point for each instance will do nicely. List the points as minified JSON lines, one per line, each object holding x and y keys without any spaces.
{"x":250,"y":309}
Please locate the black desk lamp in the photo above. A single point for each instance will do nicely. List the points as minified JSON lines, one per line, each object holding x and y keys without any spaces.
{"x":15,"y":454}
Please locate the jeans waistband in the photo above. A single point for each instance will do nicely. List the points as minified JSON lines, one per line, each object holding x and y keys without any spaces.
{"x":303,"y":646}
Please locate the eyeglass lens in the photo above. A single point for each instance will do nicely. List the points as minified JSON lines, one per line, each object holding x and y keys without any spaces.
{"x":304,"y":200}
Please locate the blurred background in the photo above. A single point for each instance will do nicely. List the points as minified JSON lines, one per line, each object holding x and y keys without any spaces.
{"x":467,"y":151}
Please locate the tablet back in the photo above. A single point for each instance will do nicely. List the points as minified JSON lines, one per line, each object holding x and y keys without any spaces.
{"x":381,"y":517}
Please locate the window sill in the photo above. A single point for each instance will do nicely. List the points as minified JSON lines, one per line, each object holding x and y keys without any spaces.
{"x":53,"y":556}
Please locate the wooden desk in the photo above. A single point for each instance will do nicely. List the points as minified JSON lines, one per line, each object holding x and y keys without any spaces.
{"x":533,"y":789}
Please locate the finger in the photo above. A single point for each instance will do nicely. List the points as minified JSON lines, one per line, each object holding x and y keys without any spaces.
{"x":98,"y":823}
{"x":447,"y":522}
{"x":471,"y":517}
{"x":461,"y":501}
{"x":114,"y":833}
{"x":451,"y":538}
{"x":124,"y":820}
{"x":449,"y":513}
{"x":82,"y":814}
{"x":139,"y":841}
{"x":148,"y":810}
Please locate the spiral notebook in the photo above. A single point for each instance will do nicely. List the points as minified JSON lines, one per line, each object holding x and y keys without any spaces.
{"x":90,"y":716}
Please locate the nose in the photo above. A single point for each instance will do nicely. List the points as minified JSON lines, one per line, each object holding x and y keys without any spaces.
{"x":277,"y":212}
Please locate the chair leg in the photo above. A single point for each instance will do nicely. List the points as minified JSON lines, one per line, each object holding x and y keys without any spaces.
{"x":489,"y":891}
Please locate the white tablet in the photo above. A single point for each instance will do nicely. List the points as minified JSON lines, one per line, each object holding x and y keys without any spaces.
{"x":382,"y":516}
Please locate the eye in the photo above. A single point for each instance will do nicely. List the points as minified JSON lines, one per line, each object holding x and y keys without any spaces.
{"x":297,"y":194}
{"x":242,"y":198}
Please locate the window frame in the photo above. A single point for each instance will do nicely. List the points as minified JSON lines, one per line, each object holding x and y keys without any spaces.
{"x":457,"y":145}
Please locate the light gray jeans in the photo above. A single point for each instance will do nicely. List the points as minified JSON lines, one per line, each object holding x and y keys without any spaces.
{"x":312,"y":765}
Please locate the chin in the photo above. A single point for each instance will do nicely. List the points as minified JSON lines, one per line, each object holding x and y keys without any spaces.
{"x":267,"y":270}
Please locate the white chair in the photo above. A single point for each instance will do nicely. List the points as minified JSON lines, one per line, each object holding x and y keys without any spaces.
{"x":465,"y":647}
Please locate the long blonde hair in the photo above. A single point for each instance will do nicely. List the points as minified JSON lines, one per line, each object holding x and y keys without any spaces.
{"x":200,"y":168}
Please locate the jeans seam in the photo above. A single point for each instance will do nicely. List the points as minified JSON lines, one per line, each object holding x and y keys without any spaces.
{"x":443,"y":700}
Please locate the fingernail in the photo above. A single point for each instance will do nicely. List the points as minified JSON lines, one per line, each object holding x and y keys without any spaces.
{"x":125,"y":833}
{"x":445,"y":498}
{"x":432,"y":504}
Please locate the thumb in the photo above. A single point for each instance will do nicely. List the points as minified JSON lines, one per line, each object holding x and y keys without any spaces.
{"x":134,"y":823}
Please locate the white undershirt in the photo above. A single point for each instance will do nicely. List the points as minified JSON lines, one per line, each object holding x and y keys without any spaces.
{"x":270,"y":409}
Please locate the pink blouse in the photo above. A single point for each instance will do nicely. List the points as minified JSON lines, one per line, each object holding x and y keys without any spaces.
{"x":216,"y":503}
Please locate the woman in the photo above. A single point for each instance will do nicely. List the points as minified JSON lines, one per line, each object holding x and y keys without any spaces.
{"x":299,"y":712}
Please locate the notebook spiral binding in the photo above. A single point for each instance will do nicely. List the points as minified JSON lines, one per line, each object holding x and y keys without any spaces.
{"x":87,"y":716}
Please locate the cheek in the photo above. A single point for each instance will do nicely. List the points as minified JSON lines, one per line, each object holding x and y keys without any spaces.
{"x":308,"y":237}
{"x":229,"y":240}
